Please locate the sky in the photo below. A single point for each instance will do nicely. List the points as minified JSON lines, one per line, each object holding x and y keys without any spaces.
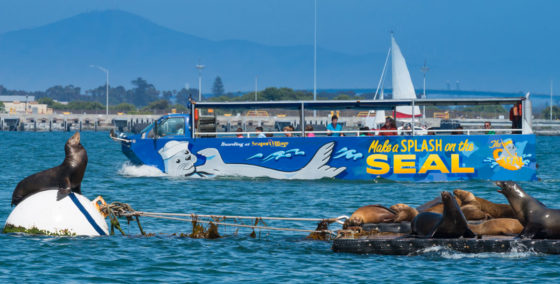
{"x":500,"y":30}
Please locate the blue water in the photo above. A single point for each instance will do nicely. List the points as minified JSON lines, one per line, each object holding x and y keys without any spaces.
{"x":272,"y":257}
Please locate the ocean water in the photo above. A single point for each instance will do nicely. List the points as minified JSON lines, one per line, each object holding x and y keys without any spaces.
{"x":272,"y":256}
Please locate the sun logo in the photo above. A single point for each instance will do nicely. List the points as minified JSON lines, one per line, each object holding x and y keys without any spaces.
{"x":506,"y":156}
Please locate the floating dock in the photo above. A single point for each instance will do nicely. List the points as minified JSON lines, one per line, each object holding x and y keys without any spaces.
{"x":397,"y":245}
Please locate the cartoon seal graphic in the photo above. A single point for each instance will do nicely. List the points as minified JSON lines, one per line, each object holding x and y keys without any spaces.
{"x":539,"y":221}
{"x":452,"y":224}
{"x":507,"y":156}
{"x":177,"y":158}
{"x":66,"y":178}
{"x":316,"y":168}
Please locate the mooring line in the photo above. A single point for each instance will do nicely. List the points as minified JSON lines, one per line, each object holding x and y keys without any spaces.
{"x":240,"y":225}
{"x":143,"y":213}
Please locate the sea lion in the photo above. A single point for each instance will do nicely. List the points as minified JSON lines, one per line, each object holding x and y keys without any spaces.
{"x":539,"y":221}
{"x":450,"y":224}
{"x":435,"y":205}
{"x":370,"y":214}
{"x":499,"y":226}
{"x":405,"y":213}
{"x":473,"y":212}
{"x":67,"y":177}
{"x":495,"y":210}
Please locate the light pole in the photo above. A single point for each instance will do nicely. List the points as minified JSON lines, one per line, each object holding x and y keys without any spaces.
{"x":315,"y":60}
{"x":425,"y":70}
{"x":106,"y":87}
{"x":199,"y":67}
{"x":550,"y":99}
{"x":256,"y":86}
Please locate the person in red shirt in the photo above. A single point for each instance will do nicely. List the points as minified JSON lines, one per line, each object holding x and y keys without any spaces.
{"x":515,"y":115}
{"x":389,"y":125}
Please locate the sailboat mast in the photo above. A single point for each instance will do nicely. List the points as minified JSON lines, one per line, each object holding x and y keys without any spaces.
{"x":382,"y":74}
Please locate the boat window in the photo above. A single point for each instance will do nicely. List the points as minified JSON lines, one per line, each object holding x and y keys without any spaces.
{"x":172,"y":126}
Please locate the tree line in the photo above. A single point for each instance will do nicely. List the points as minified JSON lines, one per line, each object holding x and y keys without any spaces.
{"x":145,"y":98}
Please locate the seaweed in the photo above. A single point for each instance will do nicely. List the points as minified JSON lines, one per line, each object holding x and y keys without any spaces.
{"x":9,"y":228}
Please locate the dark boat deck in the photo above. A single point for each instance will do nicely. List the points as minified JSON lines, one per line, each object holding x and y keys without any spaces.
{"x":393,"y":245}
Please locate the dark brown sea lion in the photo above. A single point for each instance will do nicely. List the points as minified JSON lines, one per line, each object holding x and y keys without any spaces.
{"x":450,"y":224}
{"x":65,"y":178}
{"x":435,"y":206}
{"x":370,"y":214}
{"x":405,"y":213}
{"x":495,"y":210}
{"x":539,"y":221}
{"x":499,"y":226}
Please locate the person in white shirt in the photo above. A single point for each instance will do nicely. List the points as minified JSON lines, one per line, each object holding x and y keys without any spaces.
{"x":260,"y":131}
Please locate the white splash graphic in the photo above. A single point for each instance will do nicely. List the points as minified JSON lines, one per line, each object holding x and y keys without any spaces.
{"x":131,"y":170}
{"x":349,"y":154}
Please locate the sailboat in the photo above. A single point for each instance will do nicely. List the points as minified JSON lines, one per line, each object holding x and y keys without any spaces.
{"x":402,"y":87}
{"x":402,"y":83}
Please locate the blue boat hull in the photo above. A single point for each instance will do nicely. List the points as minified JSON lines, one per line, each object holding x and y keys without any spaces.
{"x":398,"y":158}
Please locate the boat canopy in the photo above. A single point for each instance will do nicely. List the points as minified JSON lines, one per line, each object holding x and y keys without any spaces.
{"x":359,"y":104}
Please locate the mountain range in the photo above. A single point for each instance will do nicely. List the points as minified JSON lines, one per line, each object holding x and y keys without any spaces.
{"x":130,"y":46}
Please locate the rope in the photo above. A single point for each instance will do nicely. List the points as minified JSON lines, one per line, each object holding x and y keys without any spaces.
{"x":147,"y":214}
{"x":120,"y":209}
{"x":240,"y":225}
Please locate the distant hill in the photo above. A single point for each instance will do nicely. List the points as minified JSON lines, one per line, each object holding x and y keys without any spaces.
{"x":131,"y":46}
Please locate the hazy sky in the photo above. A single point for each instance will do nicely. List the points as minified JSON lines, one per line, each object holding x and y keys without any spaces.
{"x":502,"y":30}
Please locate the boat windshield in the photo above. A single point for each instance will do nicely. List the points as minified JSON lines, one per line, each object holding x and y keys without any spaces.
{"x":172,"y":126}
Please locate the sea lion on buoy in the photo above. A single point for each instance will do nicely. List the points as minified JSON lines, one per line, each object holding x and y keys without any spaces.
{"x":495,"y":210}
{"x":450,"y":224}
{"x":539,"y":221}
{"x":67,"y":177}
{"x":370,"y":214}
{"x":405,"y":213}
{"x":499,"y":226}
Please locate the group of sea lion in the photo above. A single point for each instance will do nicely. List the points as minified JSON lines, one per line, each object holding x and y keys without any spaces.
{"x":447,"y":216}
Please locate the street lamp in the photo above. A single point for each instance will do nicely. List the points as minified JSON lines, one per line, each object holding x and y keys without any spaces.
{"x":106,"y":87}
{"x":425,"y":70}
{"x":315,"y":60}
{"x":199,"y":67}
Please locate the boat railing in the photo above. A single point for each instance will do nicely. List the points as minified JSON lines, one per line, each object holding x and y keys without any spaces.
{"x":428,"y":132}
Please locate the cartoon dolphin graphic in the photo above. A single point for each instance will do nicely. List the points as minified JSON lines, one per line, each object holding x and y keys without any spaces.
{"x":316,"y":168}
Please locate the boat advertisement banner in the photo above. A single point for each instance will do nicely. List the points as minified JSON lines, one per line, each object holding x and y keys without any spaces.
{"x":398,"y":158}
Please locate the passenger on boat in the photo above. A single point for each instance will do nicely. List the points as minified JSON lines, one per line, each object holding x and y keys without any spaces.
{"x":288,"y":130}
{"x":458,"y":130}
{"x":333,"y":129}
{"x":260,"y":131}
{"x":309,"y":128}
{"x":366,"y":133}
{"x":407,"y":129}
{"x":515,"y":116}
{"x":389,"y":125}
{"x":239,"y":134}
{"x":488,"y":125}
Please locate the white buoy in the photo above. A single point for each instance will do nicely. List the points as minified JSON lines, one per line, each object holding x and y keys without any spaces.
{"x":72,"y":215}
